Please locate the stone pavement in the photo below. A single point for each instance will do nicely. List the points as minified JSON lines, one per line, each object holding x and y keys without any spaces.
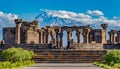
{"x":63,"y":66}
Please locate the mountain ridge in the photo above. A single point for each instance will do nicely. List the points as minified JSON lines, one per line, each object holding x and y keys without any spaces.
{"x":45,"y":19}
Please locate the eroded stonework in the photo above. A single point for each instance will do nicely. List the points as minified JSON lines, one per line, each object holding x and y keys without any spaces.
{"x":28,"y":33}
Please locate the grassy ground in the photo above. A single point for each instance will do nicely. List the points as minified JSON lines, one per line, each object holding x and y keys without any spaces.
{"x":106,"y":66}
{"x":16,"y":65}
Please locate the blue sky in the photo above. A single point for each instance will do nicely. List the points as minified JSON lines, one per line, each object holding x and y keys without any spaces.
{"x":28,"y":9}
{"x":107,"y":11}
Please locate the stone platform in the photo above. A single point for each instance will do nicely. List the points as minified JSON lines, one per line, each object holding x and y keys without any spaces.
{"x":47,"y":55}
{"x":69,"y":56}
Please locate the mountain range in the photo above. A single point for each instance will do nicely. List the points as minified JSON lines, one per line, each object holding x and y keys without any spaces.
{"x":45,"y":19}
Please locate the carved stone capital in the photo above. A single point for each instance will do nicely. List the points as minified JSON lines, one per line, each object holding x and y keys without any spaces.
{"x":113,"y":31}
{"x":18,"y":21}
{"x":104,"y":26}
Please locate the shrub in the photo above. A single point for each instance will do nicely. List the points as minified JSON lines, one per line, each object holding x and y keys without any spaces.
{"x":17,"y":54}
{"x":15,"y":65}
{"x":111,"y":60}
{"x":112,"y":57}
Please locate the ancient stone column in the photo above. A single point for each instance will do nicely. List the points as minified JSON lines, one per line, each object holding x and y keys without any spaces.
{"x":118,"y":37}
{"x":86,"y":35}
{"x":42,"y":37}
{"x":78,"y":37}
{"x":57,"y":38}
{"x":52,"y":37}
{"x":69,"y":35}
{"x":110,"y":36}
{"x":114,"y":39}
{"x":104,"y":38}
{"x":17,"y":34}
{"x":61,"y":39}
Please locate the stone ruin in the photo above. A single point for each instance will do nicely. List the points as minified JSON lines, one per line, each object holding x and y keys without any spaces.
{"x":47,"y":42}
{"x":29,"y":33}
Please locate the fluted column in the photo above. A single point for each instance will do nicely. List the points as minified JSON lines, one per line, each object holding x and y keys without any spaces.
{"x":86,"y":35}
{"x":17,"y":37}
{"x":42,"y":37}
{"x":112,"y":36}
{"x":114,"y":39}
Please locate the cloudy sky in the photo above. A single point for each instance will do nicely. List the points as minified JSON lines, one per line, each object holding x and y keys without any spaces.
{"x":85,"y":11}
{"x":28,"y":9}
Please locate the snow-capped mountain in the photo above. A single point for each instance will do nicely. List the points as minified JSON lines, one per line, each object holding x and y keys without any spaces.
{"x":45,"y":19}
{"x":56,"y":18}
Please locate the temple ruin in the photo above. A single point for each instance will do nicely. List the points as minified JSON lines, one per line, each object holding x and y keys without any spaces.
{"x":29,"y":33}
{"x":47,"y":42}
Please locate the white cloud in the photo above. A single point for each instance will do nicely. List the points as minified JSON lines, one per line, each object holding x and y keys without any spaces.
{"x":65,"y":14}
{"x":85,"y":18}
{"x":95,"y":13}
{"x":7,"y":19}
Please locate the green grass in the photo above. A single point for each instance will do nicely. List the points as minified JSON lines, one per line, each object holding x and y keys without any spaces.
{"x":15,"y":65}
{"x":106,"y":66}
{"x":111,"y":60}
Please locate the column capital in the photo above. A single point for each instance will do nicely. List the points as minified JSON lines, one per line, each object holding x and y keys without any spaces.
{"x":18,"y":21}
{"x":104,"y":26}
{"x":113,"y":31}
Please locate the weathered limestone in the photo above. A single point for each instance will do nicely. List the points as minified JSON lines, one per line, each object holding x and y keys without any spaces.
{"x":17,"y":22}
{"x":28,"y":33}
{"x":104,"y":38}
{"x":86,"y":35}
{"x":118,"y":37}
{"x":112,"y":36}
{"x":69,"y":34}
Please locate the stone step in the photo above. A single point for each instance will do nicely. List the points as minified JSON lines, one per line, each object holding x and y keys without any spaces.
{"x":67,"y":56}
{"x":56,"y":61}
{"x":67,"y":59}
